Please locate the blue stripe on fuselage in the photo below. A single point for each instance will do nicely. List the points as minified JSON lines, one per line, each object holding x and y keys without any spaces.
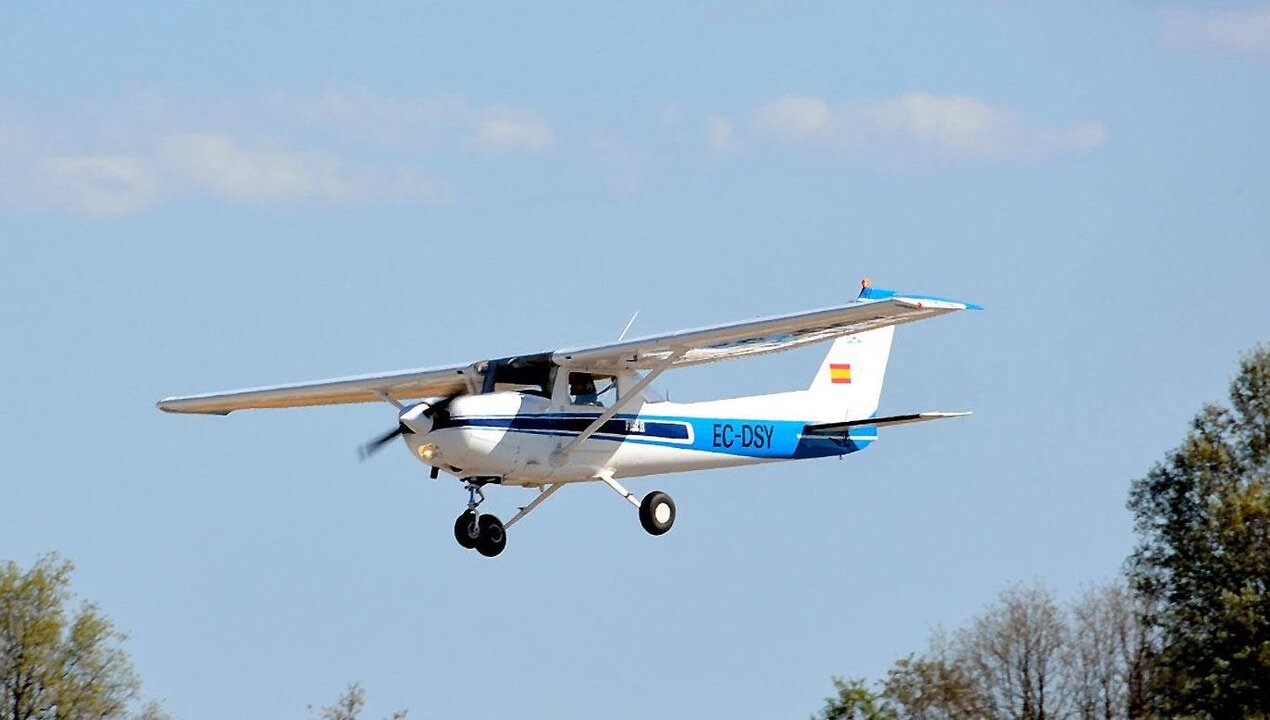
{"x":773,"y":439}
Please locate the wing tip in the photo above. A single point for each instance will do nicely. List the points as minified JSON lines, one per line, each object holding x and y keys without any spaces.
{"x":869,"y":292}
{"x":173,"y":405}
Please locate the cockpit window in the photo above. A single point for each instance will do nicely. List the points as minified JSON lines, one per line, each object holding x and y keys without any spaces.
{"x":593,"y":390}
{"x":530,"y":375}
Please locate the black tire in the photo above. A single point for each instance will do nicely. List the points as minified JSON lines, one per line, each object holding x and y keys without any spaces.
{"x":461,"y":529}
{"x":657,"y":513}
{"x":493,"y":536}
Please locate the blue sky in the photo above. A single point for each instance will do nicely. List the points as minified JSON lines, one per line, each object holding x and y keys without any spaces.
{"x":208,"y":197}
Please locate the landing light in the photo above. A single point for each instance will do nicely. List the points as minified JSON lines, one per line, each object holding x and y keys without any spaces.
{"x":427,"y":452}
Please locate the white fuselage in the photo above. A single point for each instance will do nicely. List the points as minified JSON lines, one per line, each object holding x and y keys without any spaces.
{"x":516,"y":437}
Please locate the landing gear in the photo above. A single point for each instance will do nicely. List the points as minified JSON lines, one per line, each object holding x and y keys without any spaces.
{"x":493,"y":537}
{"x":483,"y":533}
{"x":466,"y":530}
{"x":657,"y":513}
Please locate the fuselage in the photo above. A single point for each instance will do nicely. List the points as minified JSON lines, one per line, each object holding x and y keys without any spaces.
{"x":513,"y":436}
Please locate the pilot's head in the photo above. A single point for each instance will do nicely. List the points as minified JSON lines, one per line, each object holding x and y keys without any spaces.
{"x":581,"y":385}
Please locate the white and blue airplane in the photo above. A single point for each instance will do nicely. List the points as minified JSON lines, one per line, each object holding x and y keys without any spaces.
{"x":551,"y":419}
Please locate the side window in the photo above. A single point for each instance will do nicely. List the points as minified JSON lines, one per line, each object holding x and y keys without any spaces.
{"x":593,"y":390}
{"x":533,"y":378}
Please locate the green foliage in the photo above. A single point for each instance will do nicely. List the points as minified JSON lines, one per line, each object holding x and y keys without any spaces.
{"x":852,"y":700}
{"x":932,"y":688}
{"x":55,"y":663}
{"x":1203,"y":517}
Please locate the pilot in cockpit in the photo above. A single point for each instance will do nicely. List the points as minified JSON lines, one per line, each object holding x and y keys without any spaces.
{"x":582,"y":389}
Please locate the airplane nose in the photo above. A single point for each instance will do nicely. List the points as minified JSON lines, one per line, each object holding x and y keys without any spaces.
{"x":414,"y":417}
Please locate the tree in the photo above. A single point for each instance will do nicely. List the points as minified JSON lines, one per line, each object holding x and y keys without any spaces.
{"x":55,"y":663}
{"x":1108,"y":661}
{"x":852,"y":700}
{"x":1025,"y":657}
{"x":1203,"y":520}
{"x":932,"y":687}
{"x":1013,"y":654}
{"x":349,"y":706}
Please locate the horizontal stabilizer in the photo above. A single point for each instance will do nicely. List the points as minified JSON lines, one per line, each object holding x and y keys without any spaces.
{"x":837,"y":428}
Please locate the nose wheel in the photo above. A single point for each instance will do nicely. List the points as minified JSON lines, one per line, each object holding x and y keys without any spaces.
{"x":480,"y":532}
{"x":466,"y":530}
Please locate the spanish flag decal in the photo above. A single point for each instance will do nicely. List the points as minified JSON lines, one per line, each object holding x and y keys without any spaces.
{"x":839,"y":373}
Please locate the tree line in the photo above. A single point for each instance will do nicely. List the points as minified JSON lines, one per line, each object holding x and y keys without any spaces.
{"x":1184,"y":633}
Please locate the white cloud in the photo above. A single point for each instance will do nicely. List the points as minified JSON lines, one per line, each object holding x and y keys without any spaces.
{"x":209,"y":164}
{"x":720,"y":137}
{"x":415,"y":122}
{"x":919,"y":122}
{"x":1239,"y":30}
{"x":344,"y":146}
{"x":795,"y":117}
{"x":97,"y":184}
{"x":966,"y":126}
{"x":218,"y":164}
{"x":509,"y":132}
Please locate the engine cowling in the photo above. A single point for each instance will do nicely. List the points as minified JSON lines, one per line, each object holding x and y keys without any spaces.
{"x":414,"y":418}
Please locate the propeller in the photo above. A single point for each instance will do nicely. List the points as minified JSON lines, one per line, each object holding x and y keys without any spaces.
{"x":438,"y":412}
{"x":372,"y":447}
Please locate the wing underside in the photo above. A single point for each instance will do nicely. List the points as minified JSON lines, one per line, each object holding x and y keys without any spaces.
{"x":400,"y":385}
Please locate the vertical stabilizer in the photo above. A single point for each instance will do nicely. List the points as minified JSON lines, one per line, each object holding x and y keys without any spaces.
{"x":848,"y":384}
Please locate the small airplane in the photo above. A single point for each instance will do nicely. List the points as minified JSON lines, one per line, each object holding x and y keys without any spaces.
{"x":550,"y":419}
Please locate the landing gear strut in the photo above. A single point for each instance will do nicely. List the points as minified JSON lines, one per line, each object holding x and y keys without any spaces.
{"x":656,"y":510}
{"x":472,"y":530}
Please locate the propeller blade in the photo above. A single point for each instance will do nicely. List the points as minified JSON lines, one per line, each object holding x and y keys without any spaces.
{"x":439,"y":412}
{"x":440,"y":405}
{"x":372,"y":447}
{"x":436,"y":412}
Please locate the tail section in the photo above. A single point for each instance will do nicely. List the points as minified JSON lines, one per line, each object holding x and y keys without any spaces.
{"x":848,"y":384}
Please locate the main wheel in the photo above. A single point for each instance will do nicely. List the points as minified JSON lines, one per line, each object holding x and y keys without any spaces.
{"x":657,"y":512}
{"x":466,"y":530}
{"x":493,"y":537}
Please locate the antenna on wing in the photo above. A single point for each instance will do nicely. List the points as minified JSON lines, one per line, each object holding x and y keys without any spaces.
{"x":627,"y":329}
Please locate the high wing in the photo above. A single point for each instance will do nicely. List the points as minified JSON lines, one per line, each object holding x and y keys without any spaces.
{"x":875,"y":308}
{"x":398,"y":385}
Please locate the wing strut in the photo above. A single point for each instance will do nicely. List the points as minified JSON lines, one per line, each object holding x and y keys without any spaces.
{"x":543,"y":494}
{"x":560,"y":456}
{"x":383,"y":395}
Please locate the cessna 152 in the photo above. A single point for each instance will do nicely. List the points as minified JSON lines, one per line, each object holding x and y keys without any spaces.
{"x":550,"y":419}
